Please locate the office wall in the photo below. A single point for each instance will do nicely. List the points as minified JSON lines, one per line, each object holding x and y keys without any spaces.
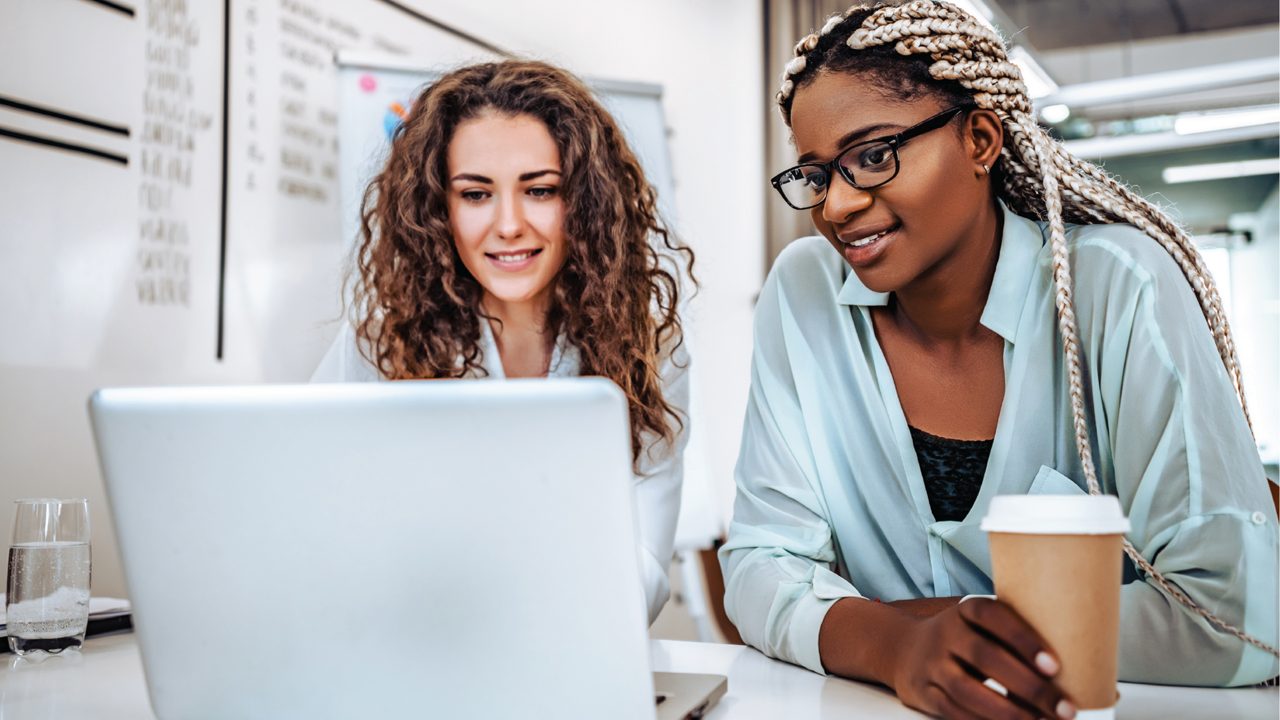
{"x":704,"y":54}
{"x":1255,"y":323}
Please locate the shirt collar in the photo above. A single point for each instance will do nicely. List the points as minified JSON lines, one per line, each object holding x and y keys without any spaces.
{"x":1019,"y":247}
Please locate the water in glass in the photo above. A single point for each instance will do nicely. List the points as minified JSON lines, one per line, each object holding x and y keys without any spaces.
{"x":47,"y":603}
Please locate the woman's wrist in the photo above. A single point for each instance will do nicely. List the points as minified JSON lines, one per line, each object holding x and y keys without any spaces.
{"x":928,"y":607}
{"x":861,"y":639}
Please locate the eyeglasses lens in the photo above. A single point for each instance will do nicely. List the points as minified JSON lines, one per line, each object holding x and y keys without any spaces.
{"x":804,"y":186}
{"x":870,"y":164}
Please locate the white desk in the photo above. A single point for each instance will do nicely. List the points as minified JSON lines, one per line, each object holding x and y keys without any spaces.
{"x":105,"y":683}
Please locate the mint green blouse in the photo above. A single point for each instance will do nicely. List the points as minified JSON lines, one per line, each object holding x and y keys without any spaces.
{"x":831,"y":503}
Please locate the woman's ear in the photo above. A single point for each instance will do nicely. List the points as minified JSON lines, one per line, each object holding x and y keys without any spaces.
{"x":984,"y":138}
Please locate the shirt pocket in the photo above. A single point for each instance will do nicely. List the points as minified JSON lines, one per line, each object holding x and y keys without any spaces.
{"x":1051,"y":482}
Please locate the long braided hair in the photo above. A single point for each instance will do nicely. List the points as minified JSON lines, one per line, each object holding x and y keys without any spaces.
{"x":934,"y":44}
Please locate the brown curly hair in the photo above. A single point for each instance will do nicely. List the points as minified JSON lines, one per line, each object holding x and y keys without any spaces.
{"x":416,"y":308}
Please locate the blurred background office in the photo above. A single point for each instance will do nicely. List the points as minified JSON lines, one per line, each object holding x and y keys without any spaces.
{"x":171,"y":198}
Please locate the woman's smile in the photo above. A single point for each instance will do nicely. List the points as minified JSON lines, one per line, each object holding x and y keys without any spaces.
{"x":513,"y":260}
{"x":863,"y":247}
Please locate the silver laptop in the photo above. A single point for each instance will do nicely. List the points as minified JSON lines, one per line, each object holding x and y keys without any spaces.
{"x":453,"y":549}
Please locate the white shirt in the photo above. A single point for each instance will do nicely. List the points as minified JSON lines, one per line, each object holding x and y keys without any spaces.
{"x":661,"y":464}
{"x":831,"y":502}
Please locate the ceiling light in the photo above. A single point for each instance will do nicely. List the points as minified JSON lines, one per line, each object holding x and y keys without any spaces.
{"x":1163,"y":84}
{"x":1038,"y":82}
{"x":1189,"y":123}
{"x":1218,"y":171}
{"x":1054,"y":114}
{"x":1097,"y":148}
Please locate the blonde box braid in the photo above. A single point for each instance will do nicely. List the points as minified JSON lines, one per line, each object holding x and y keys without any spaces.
{"x":1038,"y":179}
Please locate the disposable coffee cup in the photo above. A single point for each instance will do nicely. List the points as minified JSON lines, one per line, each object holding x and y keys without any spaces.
{"x":1057,"y":561}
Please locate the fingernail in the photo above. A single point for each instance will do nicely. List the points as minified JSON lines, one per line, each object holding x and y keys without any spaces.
{"x":1066,"y":710}
{"x":1047,"y":663}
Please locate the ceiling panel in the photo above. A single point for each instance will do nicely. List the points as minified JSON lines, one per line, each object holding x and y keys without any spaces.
{"x":1058,"y":24}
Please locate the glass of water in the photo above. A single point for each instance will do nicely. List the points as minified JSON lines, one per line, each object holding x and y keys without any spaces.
{"x":47,"y":601}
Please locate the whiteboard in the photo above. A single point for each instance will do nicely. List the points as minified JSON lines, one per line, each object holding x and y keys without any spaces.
{"x":110,"y":144}
{"x":169,"y":196}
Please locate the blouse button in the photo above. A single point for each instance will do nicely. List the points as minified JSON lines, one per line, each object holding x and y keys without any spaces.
{"x":1258,"y":518}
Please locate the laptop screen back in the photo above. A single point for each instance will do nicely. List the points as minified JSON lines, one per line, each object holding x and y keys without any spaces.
{"x":441,"y":548}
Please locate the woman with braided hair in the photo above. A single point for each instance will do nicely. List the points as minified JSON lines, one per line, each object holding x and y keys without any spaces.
{"x":512,"y":233}
{"x":984,"y":314}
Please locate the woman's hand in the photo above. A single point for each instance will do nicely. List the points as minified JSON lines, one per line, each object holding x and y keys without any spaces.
{"x":944,"y":660}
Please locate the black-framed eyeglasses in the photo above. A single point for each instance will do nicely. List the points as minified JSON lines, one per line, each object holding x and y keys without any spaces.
{"x":865,"y":165}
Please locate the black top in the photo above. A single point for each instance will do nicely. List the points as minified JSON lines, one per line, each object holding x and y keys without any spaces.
{"x":952,"y":471}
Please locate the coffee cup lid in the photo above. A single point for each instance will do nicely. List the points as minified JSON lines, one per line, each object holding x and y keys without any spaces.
{"x":1056,"y":515}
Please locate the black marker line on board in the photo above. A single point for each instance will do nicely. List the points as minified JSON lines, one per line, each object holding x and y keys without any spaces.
{"x":62,"y":145}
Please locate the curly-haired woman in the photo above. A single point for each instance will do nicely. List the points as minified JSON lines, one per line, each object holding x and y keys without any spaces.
{"x":984,"y":314}
{"x":512,"y":233}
